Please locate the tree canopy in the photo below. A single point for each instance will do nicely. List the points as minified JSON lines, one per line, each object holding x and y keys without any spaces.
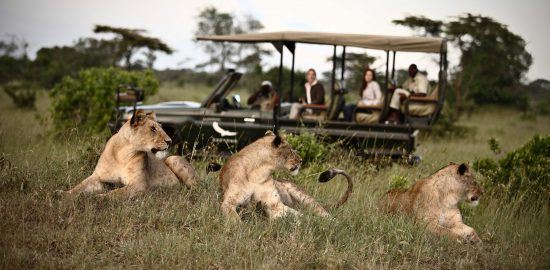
{"x":213,"y":22}
{"x":493,"y":59}
{"x":131,"y":40}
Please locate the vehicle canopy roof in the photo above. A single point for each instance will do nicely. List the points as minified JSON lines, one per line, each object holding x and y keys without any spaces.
{"x":377,"y":42}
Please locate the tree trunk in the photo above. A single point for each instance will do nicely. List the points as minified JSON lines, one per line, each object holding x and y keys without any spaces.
{"x":458,"y":92}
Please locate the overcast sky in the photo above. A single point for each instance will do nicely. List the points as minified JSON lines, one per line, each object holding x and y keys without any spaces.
{"x":60,"y":22}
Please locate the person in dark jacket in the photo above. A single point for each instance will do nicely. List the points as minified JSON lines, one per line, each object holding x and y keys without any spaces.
{"x":314,"y":94}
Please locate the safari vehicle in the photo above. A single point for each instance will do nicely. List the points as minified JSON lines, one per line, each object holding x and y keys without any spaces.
{"x":221,"y":119}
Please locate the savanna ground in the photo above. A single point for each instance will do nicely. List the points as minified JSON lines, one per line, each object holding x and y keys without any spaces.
{"x":176,"y":228}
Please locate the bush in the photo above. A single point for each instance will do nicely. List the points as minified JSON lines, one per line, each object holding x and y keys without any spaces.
{"x":309,"y":147}
{"x":446,"y":125}
{"x":88,"y":100}
{"x":22,"y":94}
{"x":525,"y":171}
{"x":398,"y":182}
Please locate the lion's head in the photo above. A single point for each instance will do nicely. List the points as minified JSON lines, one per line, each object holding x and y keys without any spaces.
{"x":470,"y":191}
{"x":146,"y":134}
{"x":282,"y":151}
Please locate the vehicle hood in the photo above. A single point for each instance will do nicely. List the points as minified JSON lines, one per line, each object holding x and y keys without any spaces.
{"x":163,"y":105}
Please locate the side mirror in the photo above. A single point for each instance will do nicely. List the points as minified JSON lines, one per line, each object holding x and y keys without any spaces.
{"x":237,"y":101}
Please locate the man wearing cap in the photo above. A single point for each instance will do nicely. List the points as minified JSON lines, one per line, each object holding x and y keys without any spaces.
{"x":416,"y":85}
{"x":264,"y":98}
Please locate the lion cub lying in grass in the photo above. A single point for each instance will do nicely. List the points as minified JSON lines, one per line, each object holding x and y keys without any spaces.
{"x":435,"y":199}
{"x":130,"y":158}
{"x":247,"y":175}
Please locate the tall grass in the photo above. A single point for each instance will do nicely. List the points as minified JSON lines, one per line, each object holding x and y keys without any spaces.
{"x":176,"y":228}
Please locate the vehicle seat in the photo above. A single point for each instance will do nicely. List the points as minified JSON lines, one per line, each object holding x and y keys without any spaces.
{"x":330,"y":111}
{"x":368,"y":114}
{"x":421,"y":106}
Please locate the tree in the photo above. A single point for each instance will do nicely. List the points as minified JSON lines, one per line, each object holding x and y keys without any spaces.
{"x":13,"y":59}
{"x":212,"y":22}
{"x":250,"y":54}
{"x":130,"y":41}
{"x":247,"y":56}
{"x":493,"y":60}
{"x":53,"y":63}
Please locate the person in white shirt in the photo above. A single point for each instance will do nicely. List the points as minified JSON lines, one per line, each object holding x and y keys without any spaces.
{"x":416,"y":85}
{"x":370,"y":94}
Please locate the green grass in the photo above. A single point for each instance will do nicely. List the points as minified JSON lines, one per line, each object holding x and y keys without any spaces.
{"x":175,"y":228}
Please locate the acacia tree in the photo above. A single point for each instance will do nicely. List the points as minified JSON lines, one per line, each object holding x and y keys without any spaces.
{"x":212,"y":22}
{"x":493,"y":60}
{"x":129,"y":41}
{"x":250,"y":54}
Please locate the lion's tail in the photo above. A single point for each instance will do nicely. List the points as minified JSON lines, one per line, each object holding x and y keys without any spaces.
{"x":213,"y":167}
{"x":331,"y":173}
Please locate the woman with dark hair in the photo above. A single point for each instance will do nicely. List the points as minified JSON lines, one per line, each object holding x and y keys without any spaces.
{"x":369,"y":92}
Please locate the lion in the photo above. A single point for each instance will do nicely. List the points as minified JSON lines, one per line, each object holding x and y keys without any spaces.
{"x":134,"y":158}
{"x":247,"y":176}
{"x":434,"y":200}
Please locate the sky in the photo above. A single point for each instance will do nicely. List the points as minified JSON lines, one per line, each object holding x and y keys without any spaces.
{"x":60,"y":22}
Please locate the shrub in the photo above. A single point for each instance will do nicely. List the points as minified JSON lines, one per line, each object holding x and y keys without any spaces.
{"x":398,"y":182}
{"x":525,"y":171}
{"x":22,"y":94}
{"x":309,"y":147}
{"x":87,"y":101}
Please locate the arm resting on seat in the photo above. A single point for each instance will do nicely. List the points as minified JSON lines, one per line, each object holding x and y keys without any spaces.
{"x":422,"y":99}
{"x":318,"y":107}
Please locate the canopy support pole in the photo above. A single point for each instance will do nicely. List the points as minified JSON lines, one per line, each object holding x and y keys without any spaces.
{"x":277,"y":109}
{"x":387,"y":69}
{"x":333,"y":73}
{"x":393,"y":67}
{"x":343,"y":65}
{"x":291,"y":46}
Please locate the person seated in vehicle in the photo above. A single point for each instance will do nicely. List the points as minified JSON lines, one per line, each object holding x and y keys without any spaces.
{"x":314,"y":95}
{"x":264,"y":98}
{"x":370,"y":94}
{"x":415,"y":85}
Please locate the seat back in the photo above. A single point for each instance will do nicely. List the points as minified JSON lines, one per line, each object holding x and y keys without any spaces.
{"x":337,"y":102}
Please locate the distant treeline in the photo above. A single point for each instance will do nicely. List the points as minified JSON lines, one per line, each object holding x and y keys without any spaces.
{"x":491,"y":68}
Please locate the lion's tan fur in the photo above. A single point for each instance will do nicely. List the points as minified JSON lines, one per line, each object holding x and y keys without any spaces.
{"x":128,"y":160}
{"x":434,"y":200}
{"x":247,"y":176}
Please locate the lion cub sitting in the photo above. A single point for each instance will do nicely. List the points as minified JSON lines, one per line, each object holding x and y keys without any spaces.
{"x":435,"y":199}
{"x":247,"y":175}
{"x":129,"y":159}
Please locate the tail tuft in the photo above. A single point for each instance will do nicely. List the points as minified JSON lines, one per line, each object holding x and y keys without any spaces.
{"x":213,"y":167}
{"x":331,"y":173}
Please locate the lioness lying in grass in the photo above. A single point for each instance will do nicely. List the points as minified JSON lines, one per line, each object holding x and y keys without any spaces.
{"x":435,"y":199}
{"x":247,"y":175}
{"x":130,"y":158}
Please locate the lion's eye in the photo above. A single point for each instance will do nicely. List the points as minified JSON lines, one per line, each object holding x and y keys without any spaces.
{"x":153,"y":129}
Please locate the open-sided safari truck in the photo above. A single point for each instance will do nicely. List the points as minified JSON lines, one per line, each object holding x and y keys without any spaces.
{"x":232,"y":127}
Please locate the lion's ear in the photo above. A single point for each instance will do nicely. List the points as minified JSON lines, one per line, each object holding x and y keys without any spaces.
{"x":269,"y":133}
{"x":462,"y":169}
{"x":138,"y":118}
{"x":151,"y":115}
{"x":277,"y":141}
